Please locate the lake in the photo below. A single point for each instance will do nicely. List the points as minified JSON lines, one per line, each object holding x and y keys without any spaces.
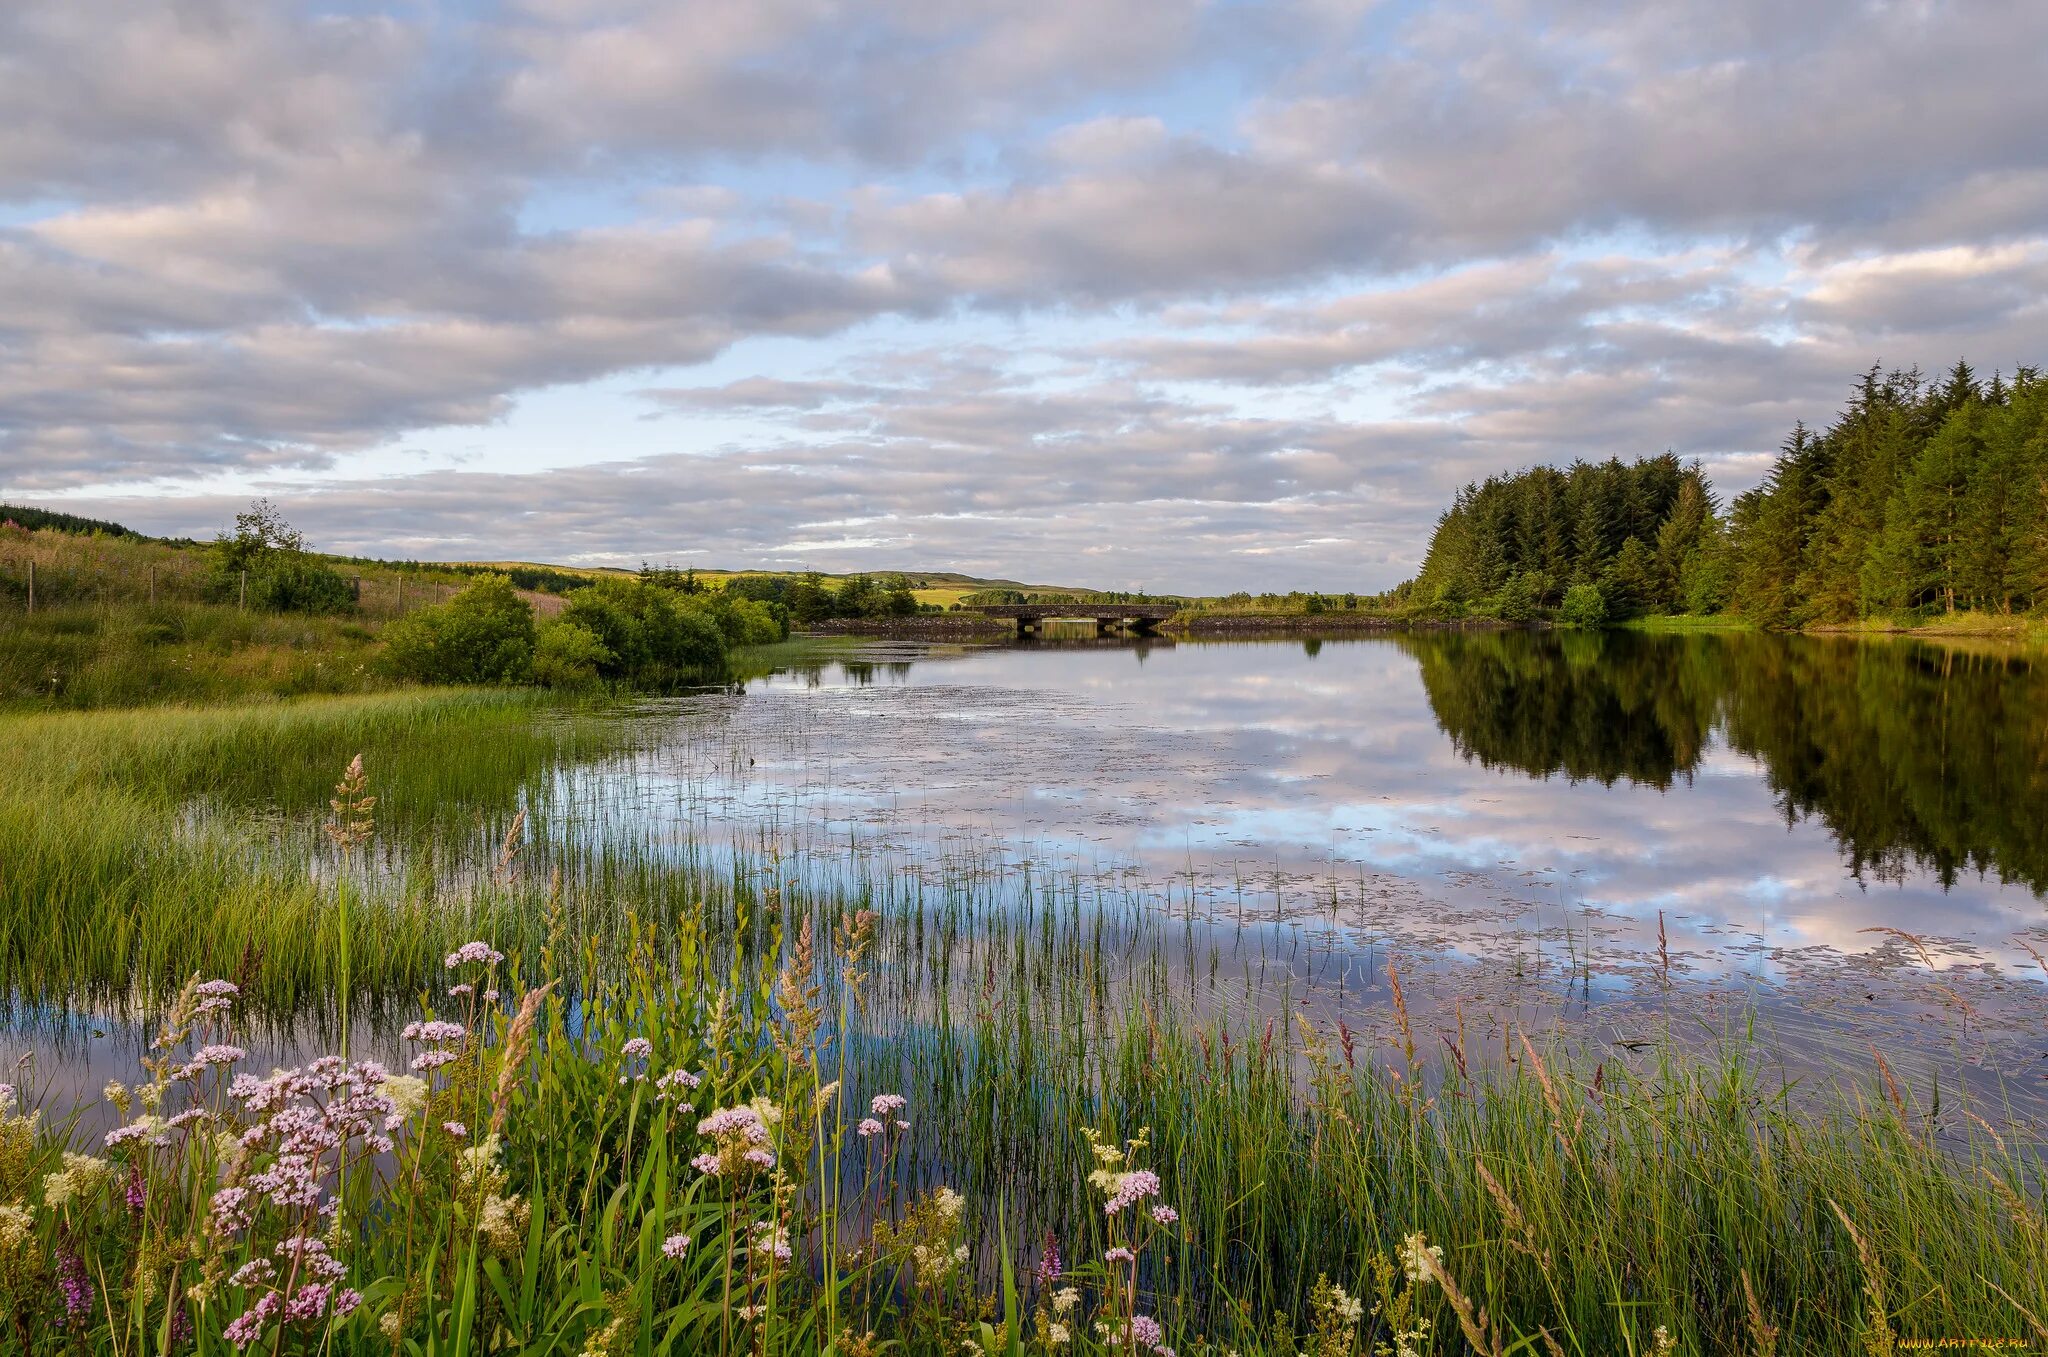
{"x":1840,"y":839}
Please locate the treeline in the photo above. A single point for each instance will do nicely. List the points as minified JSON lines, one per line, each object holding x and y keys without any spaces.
{"x":811,"y":598}
{"x":1920,"y":498}
{"x":40,"y":520}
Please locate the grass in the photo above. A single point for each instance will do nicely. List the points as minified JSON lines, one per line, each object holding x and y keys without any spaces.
{"x":1580,"y":1198}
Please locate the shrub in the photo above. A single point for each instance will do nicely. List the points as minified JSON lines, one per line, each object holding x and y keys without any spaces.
{"x":1583,"y":607}
{"x":296,"y":584}
{"x":485,"y":634}
{"x":652,"y":638}
{"x":567,"y":656}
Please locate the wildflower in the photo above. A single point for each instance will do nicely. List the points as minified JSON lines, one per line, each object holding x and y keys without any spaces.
{"x":752,"y":1311}
{"x":1165,"y":1215}
{"x":675,"y":1246}
{"x":7,"y":1100}
{"x":490,"y":996}
{"x":676,"y":1079}
{"x":886,"y":1104}
{"x":75,"y":1283}
{"x":638,"y":1048}
{"x":1662,"y":1343}
{"x":949,"y":1202}
{"x":1131,"y":1187}
{"x":248,"y":1326}
{"x":1047,"y":1269}
{"x":1056,"y":1334}
{"x":145,"y":1128}
{"x":255,"y":1272}
{"x":434,"y":1033}
{"x":869,"y":1127}
{"x":456,"y":1129}
{"x":390,"y":1325}
{"x":1419,"y":1257}
{"x":407,"y":1095}
{"x":433,"y":1060}
{"x":218,"y":1055}
{"x":230,"y":1215}
{"x":213,"y":997}
{"x":480,"y":953}
{"x":503,"y":1223}
{"x":461,"y":991}
{"x":17,"y":1226}
{"x":1065,"y":1299}
{"x":1119,"y":1254}
{"x":81,"y":1177}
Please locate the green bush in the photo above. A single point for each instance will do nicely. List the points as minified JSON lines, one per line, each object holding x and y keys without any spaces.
{"x":1583,"y":607}
{"x":567,"y":656}
{"x":485,"y":634}
{"x":653,"y":638}
{"x":290,"y":583}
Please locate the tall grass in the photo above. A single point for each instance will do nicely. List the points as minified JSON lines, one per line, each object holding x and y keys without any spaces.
{"x":1582,"y":1199}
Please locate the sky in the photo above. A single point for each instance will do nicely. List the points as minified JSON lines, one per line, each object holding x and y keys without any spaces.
{"x":1123,"y":293}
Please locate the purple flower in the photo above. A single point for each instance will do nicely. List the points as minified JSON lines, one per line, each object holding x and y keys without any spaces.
{"x":675,"y":1245}
{"x":75,"y":1283}
{"x":1165,"y":1215}
{"x":461,"y":991}
{"x":885,"y":1104}
{"x":1119,"y":1254}
{"x":869,"y":1127}
{"x":1048,"y":1269}
{"x":638,"y":1048}
{"x":455,"y":1128}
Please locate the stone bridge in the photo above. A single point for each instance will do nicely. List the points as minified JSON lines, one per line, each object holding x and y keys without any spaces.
{"x":1135,"y":619}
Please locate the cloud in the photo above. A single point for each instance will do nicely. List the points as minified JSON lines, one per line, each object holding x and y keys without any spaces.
{"x":1208,"y":293}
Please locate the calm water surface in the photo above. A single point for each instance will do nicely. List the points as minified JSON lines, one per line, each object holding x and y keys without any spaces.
{"x":1599,"y":828}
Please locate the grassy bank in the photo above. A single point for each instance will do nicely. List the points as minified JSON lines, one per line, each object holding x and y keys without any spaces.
{"x":538,"y":1187}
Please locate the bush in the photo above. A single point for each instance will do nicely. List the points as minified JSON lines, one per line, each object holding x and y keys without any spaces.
{"x":567,"y":656}
{"x":485,"y":634}
{"x":1583,"y":607}
{"x":652,"y":638}
{"x":297,"y":584}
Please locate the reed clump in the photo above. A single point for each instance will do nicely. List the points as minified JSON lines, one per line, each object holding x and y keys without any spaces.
{"x":644,"y":1102}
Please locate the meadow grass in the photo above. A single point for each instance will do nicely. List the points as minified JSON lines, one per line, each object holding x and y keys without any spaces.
{"x":1329,"y":1191}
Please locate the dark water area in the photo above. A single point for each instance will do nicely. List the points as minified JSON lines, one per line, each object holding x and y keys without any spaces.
{"x":1842,"y":842}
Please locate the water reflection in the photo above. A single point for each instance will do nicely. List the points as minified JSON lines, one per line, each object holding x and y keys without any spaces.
{"x":1916,"y":758}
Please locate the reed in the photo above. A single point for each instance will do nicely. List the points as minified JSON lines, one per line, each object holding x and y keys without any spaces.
{"x":1060,"y":1048}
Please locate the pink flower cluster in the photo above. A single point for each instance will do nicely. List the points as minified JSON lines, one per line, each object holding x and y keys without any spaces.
{"x":741,"y":1138}
{"x":479,"y":953}
{"x":885,"y":1106}
{"x":437,"y":1036}
{"x":1135,"y":1185}
{"x":637,"y":1048}
{"x":675,"y":1246}
{"x":214,"y":997}
{"x":674,"y":1080}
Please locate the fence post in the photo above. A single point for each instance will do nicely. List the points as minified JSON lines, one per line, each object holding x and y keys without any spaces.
{"x":242,"y":602}
{"x":401,"y":595}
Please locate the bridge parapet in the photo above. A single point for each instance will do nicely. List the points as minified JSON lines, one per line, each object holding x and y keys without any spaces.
{"x":1138,"y":618}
